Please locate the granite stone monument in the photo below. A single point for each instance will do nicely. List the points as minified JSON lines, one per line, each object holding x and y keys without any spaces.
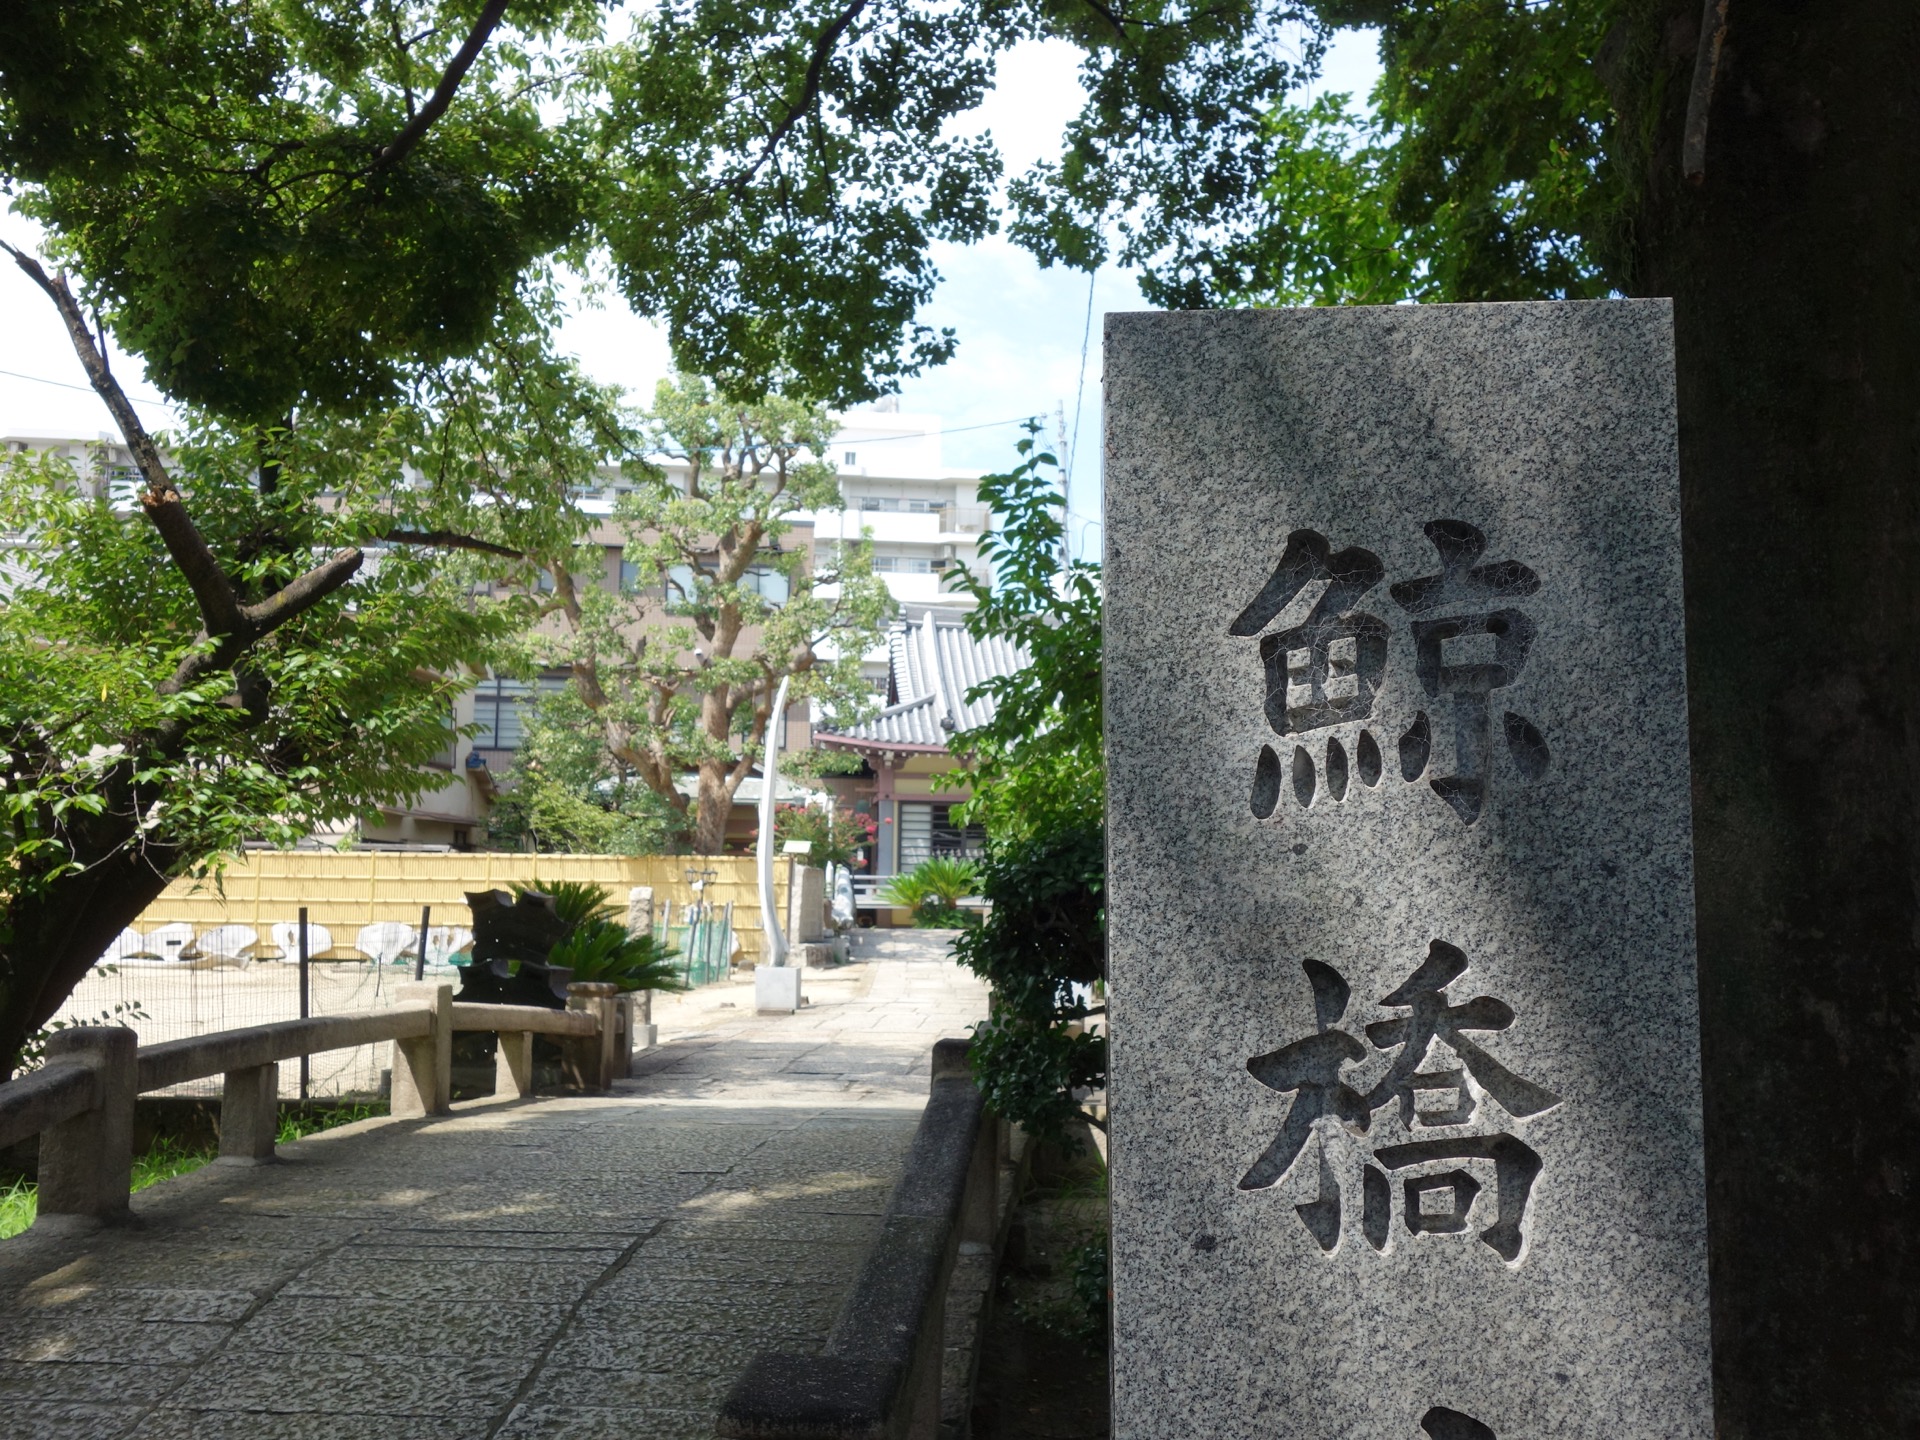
{"x":1405,"y":1083}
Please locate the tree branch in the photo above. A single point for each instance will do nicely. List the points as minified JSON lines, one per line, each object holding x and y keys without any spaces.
{"x":220,"y":610}
{"x":809,"y":89}
{"x":301,"y":595}
{"x":146,"y":454}
{"x":450,"y":540}
{"x":437,"y":103}
{"x":213,"y":593}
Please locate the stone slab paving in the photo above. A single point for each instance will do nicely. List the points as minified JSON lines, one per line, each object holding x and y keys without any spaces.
{"x":566,"y":1268}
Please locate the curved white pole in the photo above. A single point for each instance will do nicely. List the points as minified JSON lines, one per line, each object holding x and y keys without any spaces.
{"x":769,"y":767}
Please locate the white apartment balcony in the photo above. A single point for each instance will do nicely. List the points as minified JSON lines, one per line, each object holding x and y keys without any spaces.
{"x":944,"y":524}
{"x":918,"y":589}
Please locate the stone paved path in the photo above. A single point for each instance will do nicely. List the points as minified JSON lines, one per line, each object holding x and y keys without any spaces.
{"x":562,"y":1268}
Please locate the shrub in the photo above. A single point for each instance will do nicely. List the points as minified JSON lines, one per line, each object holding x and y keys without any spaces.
{"x":836,"y":836}
{"x":1042,"y":947}
{"x":933,"y":889}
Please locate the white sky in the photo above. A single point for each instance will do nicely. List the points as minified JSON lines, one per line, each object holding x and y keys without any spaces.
{"x":1020,"y":327}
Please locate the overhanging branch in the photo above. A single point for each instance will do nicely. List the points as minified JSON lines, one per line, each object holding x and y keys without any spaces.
{"x":809,"y":89}
{"x":146,"y":455}
{"x":450,"y":540}
{"x":437,"y":103}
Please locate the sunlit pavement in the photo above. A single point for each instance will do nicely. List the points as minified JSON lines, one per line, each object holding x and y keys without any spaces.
{"x":561,"y":1267}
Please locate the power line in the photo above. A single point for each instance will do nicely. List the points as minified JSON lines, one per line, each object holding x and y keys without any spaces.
{"x":1073,"y":450}
{"x":88,"y":389}
{"x":923,"y":434}
{"x":1080,"y":395}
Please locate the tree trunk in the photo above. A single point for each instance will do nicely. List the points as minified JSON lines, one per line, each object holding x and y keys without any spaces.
{"x":1792,"y":267}
{"x":713,"y":808}
{"x":60,"y":931}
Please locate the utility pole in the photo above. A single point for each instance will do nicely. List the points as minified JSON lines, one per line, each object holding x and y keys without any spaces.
{"x":1066,"y":482}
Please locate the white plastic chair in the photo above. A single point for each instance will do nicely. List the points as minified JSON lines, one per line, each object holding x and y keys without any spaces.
{"x":286,"y":939}
{"x":130,"y":945}
{"x":385,"y":942}
{"x":227,"y":945}
{"x":446,"y":941}
{"x":168,"y":941}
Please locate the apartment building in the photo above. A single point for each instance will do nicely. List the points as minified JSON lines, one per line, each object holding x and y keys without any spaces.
{"x":921,"y":516}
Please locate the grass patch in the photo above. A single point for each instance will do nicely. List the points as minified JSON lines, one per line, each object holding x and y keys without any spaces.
{"x":167,"y":1159}
{"x":17,"y":1204}
{"x":298,"y":1124}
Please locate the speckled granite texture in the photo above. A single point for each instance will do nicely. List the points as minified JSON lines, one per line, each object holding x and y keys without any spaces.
{"x":1405,"y":1088}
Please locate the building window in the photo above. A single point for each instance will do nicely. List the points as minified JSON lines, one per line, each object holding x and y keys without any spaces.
{"x":769,"y":584}
{"x":852,"y":459}
{"x":682,"y":585}
{"x":903,"y":564}
{"x":873,"y":502}
{"x":501,"y":708}
{"x":928,"y":831}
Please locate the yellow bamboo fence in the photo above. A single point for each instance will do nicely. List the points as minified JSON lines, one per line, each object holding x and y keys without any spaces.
{"x":344,"y":890}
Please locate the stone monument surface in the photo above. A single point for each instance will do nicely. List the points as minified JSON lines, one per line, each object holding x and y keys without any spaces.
{"x":1405,"y":1074}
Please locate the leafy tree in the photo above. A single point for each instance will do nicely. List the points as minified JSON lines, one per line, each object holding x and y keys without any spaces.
{"x":837,"y":836}
{"x":284,"y":657}
{"x":1038,"y":764}
{"x":1037,"y":775}
{"x":565,"y":793}
{"x":309,"y":219}
{"x":298,"y":204}
{"x":681,"y":664}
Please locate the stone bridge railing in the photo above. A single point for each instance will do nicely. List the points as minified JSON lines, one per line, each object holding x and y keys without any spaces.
{"x":881,"y":1375}
{"x":81,"y":1102}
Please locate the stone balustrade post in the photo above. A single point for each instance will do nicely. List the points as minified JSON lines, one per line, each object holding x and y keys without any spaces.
{"x":249,"y":1115}
{"x":627,"y":1012}
{"x":86,"y":1163}
{"x":979,"y":1214}
{"x":513,"y":1064}
{"x":588,"y":1059}
{"x":423,"y":1066}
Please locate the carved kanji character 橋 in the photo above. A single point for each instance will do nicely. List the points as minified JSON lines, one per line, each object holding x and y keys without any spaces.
{"x":1312,"y":1069}
{"x":1322,"y":671}
{"x":1452,"y":610}
{"x":1309,"y":1069}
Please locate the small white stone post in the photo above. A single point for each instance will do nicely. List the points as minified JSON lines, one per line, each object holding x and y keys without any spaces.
{"x":644,"y":1034}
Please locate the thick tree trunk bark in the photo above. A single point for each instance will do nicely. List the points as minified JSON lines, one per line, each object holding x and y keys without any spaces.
{"x":1793,"y":270}
{"x":711,"y":811}
{"x":57,"y":933}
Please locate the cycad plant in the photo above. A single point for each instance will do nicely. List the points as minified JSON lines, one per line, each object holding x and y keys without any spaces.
{"x":597,"y":946}
{"x":933,"y":889}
